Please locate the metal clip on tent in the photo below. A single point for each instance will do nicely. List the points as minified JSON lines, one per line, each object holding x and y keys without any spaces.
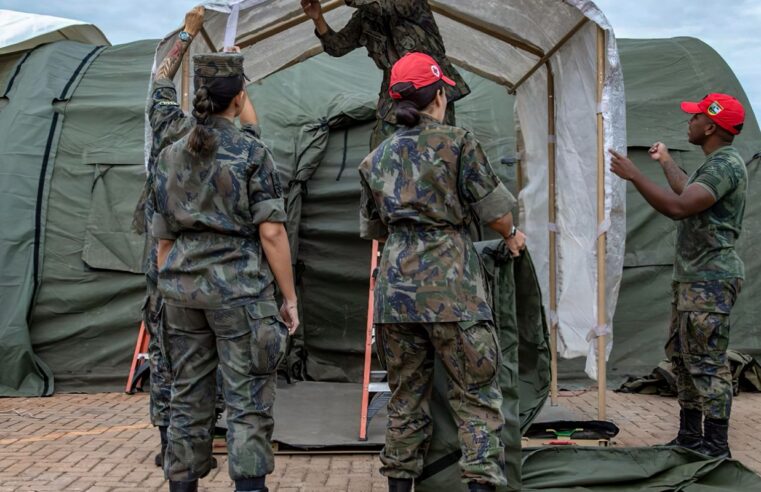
{"x":140,"y":367}
{"x":373,"y":382}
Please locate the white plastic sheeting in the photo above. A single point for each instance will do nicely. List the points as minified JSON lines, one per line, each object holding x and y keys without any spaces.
{"x":472,"y":32}
{"x":20,"y":31}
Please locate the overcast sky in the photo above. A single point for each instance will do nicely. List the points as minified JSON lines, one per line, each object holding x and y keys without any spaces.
{"x":733,"y":28}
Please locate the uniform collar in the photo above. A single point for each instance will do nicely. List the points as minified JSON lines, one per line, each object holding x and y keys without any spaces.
{"x":426,"y":119}
{"x":220,"y":122}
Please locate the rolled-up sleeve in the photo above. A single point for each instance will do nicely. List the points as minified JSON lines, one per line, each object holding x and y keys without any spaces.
{"x":344,"y":41}
{"x":252,"y":129}
{"x":480,"y":187}
{"x":265,"y":193}
{"x":370,"y":224}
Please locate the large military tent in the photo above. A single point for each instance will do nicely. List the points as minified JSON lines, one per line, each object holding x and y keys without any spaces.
{"x":68,"y":190}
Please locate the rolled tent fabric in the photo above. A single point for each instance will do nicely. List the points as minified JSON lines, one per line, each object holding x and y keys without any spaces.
{"x":33,"y":111}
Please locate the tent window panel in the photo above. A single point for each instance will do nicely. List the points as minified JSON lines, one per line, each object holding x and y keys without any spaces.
{"x":110,"y":243}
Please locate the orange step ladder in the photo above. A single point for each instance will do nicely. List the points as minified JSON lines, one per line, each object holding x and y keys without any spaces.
{"x":373,"y":382}
{"x":140,"y":367}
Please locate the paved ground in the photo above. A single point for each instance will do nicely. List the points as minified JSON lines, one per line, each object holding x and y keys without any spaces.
{"x":103,"y":443}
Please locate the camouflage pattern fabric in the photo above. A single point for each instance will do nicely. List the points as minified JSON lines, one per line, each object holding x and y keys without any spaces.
{"x":211,"y":208}
{"x":470,"y":354}
{"x":697,"y":345}
{"x":705,"y":245}
{"x":383,"y":129}
{"x":390,"y":29}
{"x":248,"y":349}
{"x":212,"y":65}
{"x":161,"y":378}
{"x":419,"y":188}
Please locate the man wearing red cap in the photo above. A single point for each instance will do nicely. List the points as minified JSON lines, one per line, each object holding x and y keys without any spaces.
{"x":708,"y":273}
{"x":389,"y":29}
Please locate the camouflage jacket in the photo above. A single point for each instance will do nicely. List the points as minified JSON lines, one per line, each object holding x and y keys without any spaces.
{"x":705,"y":242}
{"x":389,"y":29}
{"x":419,"y":188}
{"x":211,"y":209}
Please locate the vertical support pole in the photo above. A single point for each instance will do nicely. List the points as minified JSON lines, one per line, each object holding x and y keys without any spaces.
{"x":552,"y":218}
{"x":368,"y":345}
{"x":601,"y":238}
{"x":185,"y":83}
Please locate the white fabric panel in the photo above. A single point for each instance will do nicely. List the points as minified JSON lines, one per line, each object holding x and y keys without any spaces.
{"x":542,"y":23}
{"x":20,"y":31}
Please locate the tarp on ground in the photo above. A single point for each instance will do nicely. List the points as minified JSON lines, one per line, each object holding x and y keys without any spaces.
{"x":85,"y":322}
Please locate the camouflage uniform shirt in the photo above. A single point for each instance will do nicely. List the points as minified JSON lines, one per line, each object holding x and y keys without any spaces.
{"x":390,"y":29}
{"x":419,"y":188}
{"x":705,"y":244}
{"x":211,"y":208}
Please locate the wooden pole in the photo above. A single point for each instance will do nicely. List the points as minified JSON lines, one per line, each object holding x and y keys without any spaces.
{"x":552,"y":218}
{"x":601,"y":238}
{"x":185,"y":83}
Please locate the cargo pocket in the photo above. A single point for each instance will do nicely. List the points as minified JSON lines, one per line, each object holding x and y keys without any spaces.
{"x":479,"y":349}
{"x":269,"y":340}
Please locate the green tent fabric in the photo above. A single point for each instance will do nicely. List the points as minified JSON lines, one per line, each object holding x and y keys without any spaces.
{"x":657,"y":469}
{"x":83,"y":324}
{"x":32,"y":112}
{"x":524,"y":374}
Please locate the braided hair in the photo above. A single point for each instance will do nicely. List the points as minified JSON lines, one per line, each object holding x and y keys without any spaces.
{"x":214,"y":95}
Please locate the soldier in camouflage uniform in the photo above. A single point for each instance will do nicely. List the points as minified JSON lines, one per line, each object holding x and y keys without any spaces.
{"x":168,"y":124}
{"x":708,"y":273}
{"x":389,"y":29}
{"x":419,"y":189}
{"x":222,"y":246}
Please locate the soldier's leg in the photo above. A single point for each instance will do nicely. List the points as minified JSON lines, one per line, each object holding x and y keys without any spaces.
{"x":192,"y":356}
{"x":250,"y":349}
{"x":471,"y":356}
{"x":161,"y":379}
{"x":409,"y":363}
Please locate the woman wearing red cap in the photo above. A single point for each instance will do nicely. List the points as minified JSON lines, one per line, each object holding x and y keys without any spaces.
{"x":421,"y":188}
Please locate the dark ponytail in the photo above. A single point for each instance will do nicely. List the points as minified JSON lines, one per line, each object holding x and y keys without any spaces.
{"x":413,"y":101}
{"x":213,"y":96}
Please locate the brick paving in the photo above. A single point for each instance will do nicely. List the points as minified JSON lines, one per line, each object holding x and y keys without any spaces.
{"x":104,"y":443}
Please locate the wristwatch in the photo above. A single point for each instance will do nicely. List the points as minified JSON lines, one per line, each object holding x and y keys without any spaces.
{"x":185,"y":36}
{"x":513,"y":231}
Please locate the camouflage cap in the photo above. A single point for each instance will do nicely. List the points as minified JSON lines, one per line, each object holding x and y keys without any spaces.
{"x":218,"y":65}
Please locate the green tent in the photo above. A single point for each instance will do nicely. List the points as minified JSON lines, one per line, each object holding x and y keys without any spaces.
{"x":69,"y":189}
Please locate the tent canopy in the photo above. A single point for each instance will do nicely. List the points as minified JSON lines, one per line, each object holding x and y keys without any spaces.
{"x":544,"y":50}
{"x":20,"y":31}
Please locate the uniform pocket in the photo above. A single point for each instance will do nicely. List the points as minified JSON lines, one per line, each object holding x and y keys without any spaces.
{"x":479,"y":349}
{"x":268,"y":343}
{"x":704,"y":333}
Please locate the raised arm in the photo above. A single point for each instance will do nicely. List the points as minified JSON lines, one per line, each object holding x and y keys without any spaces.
{"x":676,"y":177}
{"x":171,"y":62}
{"x":334,"y":43}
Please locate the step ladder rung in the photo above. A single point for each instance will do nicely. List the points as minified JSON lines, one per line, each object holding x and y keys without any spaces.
{"x":380,"y":387}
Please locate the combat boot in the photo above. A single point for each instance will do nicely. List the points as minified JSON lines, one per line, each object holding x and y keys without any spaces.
{"x":481,"y":487}
{"x":715,"y":439}
{"x":176,"y":486}
{"x":399,"y":484}
{"x":255,"y":484}
{"x":159,"y":459}
{"x":690,"y":430}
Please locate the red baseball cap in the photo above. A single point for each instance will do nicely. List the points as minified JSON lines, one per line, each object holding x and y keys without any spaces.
{"x":418,"y":69}
{"x":723,"y":109}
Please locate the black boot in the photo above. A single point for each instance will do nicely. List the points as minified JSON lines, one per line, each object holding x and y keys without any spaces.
{"x":159,"y":459}
{"x":399,"y":484}
{"x":481,"y":487}
{"x":191,"y":486}
{"x":715,"y":438}
{"x":690,"y":430}
{"x":255,"y":484}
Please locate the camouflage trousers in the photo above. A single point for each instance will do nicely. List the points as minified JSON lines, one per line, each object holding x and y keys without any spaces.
{"x":469,"y":352}
{"x":248,"y":349}
{"x":698,"y":342}
{"x":161,"y":378}
{"x":383,"y":129}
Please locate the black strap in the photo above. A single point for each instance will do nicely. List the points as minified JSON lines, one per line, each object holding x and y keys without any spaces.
{"x":15,"y":73}
{"x":440,"y":465}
